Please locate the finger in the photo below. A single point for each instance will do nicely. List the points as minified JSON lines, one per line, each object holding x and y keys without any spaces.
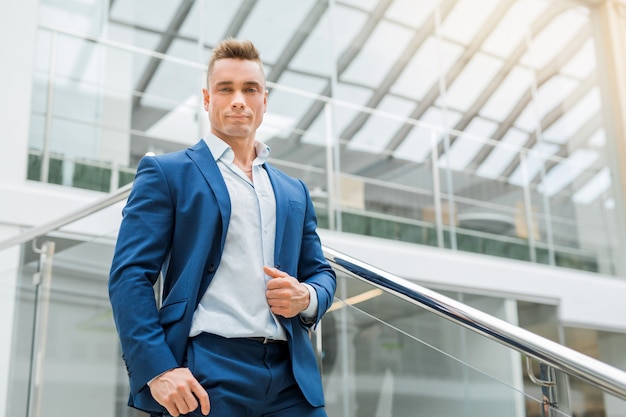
{"x":203,"y":398}
{"x":172,"y":410}
{"x":277,"y":284}
{"x":273,"y":272}
{"x":187,"y":403}
{"x":277,"y":301}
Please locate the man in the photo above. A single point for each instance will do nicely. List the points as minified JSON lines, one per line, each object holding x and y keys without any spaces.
{"x":244,"y":276}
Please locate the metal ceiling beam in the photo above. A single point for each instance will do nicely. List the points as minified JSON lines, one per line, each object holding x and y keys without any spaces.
{"x":586,"y":130}
{"x":297,"y":40}
{"x":164,"y":44}
{"x":434,"y":92}
{"x":397,"y":69}
{"x":342,"y":64}
{"x":551,"y":117}
{"x":542,"y":77}
{"x":497,"y":80}
{"x":240,"y":18}
{"x":554,"y":115}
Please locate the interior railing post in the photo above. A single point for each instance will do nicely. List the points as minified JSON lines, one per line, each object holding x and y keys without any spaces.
{"x":42,"y":279}
{"x":554,"y":389}
{"x":45,"y":152}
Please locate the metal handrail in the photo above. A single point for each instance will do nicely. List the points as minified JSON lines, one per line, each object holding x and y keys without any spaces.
{"x":599,"y":374}
{"x":53,"y":225}
{"x":592,"y":371}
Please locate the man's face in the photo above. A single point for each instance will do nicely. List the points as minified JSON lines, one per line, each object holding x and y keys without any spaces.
{"x":236,"y":98}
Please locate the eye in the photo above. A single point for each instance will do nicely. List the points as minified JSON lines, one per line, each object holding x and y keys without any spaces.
{"x":252,"y":90}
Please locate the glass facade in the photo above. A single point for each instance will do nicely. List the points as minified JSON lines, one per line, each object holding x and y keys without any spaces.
{"x":474,"y":125}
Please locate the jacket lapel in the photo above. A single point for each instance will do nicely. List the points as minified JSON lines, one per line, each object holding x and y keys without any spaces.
{"x":282,"y":204}
{"x":202,"y":157}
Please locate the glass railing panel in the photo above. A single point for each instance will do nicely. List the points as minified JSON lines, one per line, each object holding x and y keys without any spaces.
{"x":606,"y":346}
{"x":82,"y":339}
{"x":380,"y":352}
{"x":581,"y":225}
{"x":468,"y":344}
{"x":65,"y":351}
{"x":388,"y":354}
{"x":486,"y":208}
{"x":17,"y":306}
{"x":385,"y":356}
{"x":389,"y":190}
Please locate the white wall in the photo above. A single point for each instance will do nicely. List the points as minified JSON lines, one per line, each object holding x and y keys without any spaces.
{"x":18,"y":22}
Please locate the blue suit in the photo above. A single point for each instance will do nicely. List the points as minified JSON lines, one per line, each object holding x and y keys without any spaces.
{"x":175,"y":221}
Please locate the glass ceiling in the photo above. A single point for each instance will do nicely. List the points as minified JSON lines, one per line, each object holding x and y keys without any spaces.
{"x":505,"y":75}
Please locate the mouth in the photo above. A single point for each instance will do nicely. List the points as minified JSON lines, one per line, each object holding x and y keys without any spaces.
{"x":237,"y":116}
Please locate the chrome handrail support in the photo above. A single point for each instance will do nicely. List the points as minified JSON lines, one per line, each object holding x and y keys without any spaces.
{"x":554,"y":389}
{"x":42,"y":280}
{"x":561,"y":358}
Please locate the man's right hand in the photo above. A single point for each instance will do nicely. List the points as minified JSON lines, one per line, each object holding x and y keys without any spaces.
{"x":179,"y":392}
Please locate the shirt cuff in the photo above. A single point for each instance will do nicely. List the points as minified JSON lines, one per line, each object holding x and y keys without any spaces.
{"x":310,"y":313}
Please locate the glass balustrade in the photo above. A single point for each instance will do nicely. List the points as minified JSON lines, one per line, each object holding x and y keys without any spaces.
{"x":379,"y":354}
{"x":64,"y":347}
{"x":385,"y":356}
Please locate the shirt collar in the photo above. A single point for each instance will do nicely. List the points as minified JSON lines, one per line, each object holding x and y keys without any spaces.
{"x":220,"y":150}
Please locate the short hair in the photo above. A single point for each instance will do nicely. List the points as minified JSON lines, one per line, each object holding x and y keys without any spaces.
{"x":237,"y":49}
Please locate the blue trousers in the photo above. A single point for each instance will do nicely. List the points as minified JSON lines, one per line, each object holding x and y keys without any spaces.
{"x":246,"y":378}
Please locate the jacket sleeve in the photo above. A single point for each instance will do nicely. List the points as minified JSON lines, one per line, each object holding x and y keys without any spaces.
{"x":313,"y":268}
{"x":143,"y":244}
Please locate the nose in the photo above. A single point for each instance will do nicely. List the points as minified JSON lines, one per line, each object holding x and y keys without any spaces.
{"x":238,"y":101}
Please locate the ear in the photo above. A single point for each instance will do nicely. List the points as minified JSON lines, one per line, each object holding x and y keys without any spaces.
{"x":265,"y":101}
{"x":206,"y":98}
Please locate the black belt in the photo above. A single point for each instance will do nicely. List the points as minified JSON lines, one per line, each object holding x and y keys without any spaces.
{"x":265,"y":340}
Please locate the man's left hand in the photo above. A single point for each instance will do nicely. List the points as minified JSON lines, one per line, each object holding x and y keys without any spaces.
{"x":286,"y":296}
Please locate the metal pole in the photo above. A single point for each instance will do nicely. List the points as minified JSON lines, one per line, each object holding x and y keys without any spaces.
{"x":436,"y":190}
{"x":45,"y":151}
{"x":528,"y":209}
{"x":42,"y":281}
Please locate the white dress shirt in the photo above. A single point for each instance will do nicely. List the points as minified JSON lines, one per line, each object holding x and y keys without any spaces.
{"x":235,"y":304}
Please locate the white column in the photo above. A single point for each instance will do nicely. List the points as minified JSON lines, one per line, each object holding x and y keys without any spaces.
{"x":611,"y":351}
{"x":18,"y":29}
{"x":610,"y":38}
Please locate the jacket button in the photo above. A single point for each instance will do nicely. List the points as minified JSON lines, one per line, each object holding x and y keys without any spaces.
{"x":212,"y":268}
{"x":277,"y":266}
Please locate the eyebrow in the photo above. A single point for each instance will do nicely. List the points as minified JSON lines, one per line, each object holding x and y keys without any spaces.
{"x":255,"y":83}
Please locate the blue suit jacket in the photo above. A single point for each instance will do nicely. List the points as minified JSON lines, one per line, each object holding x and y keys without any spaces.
{"x":175,"y":222}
